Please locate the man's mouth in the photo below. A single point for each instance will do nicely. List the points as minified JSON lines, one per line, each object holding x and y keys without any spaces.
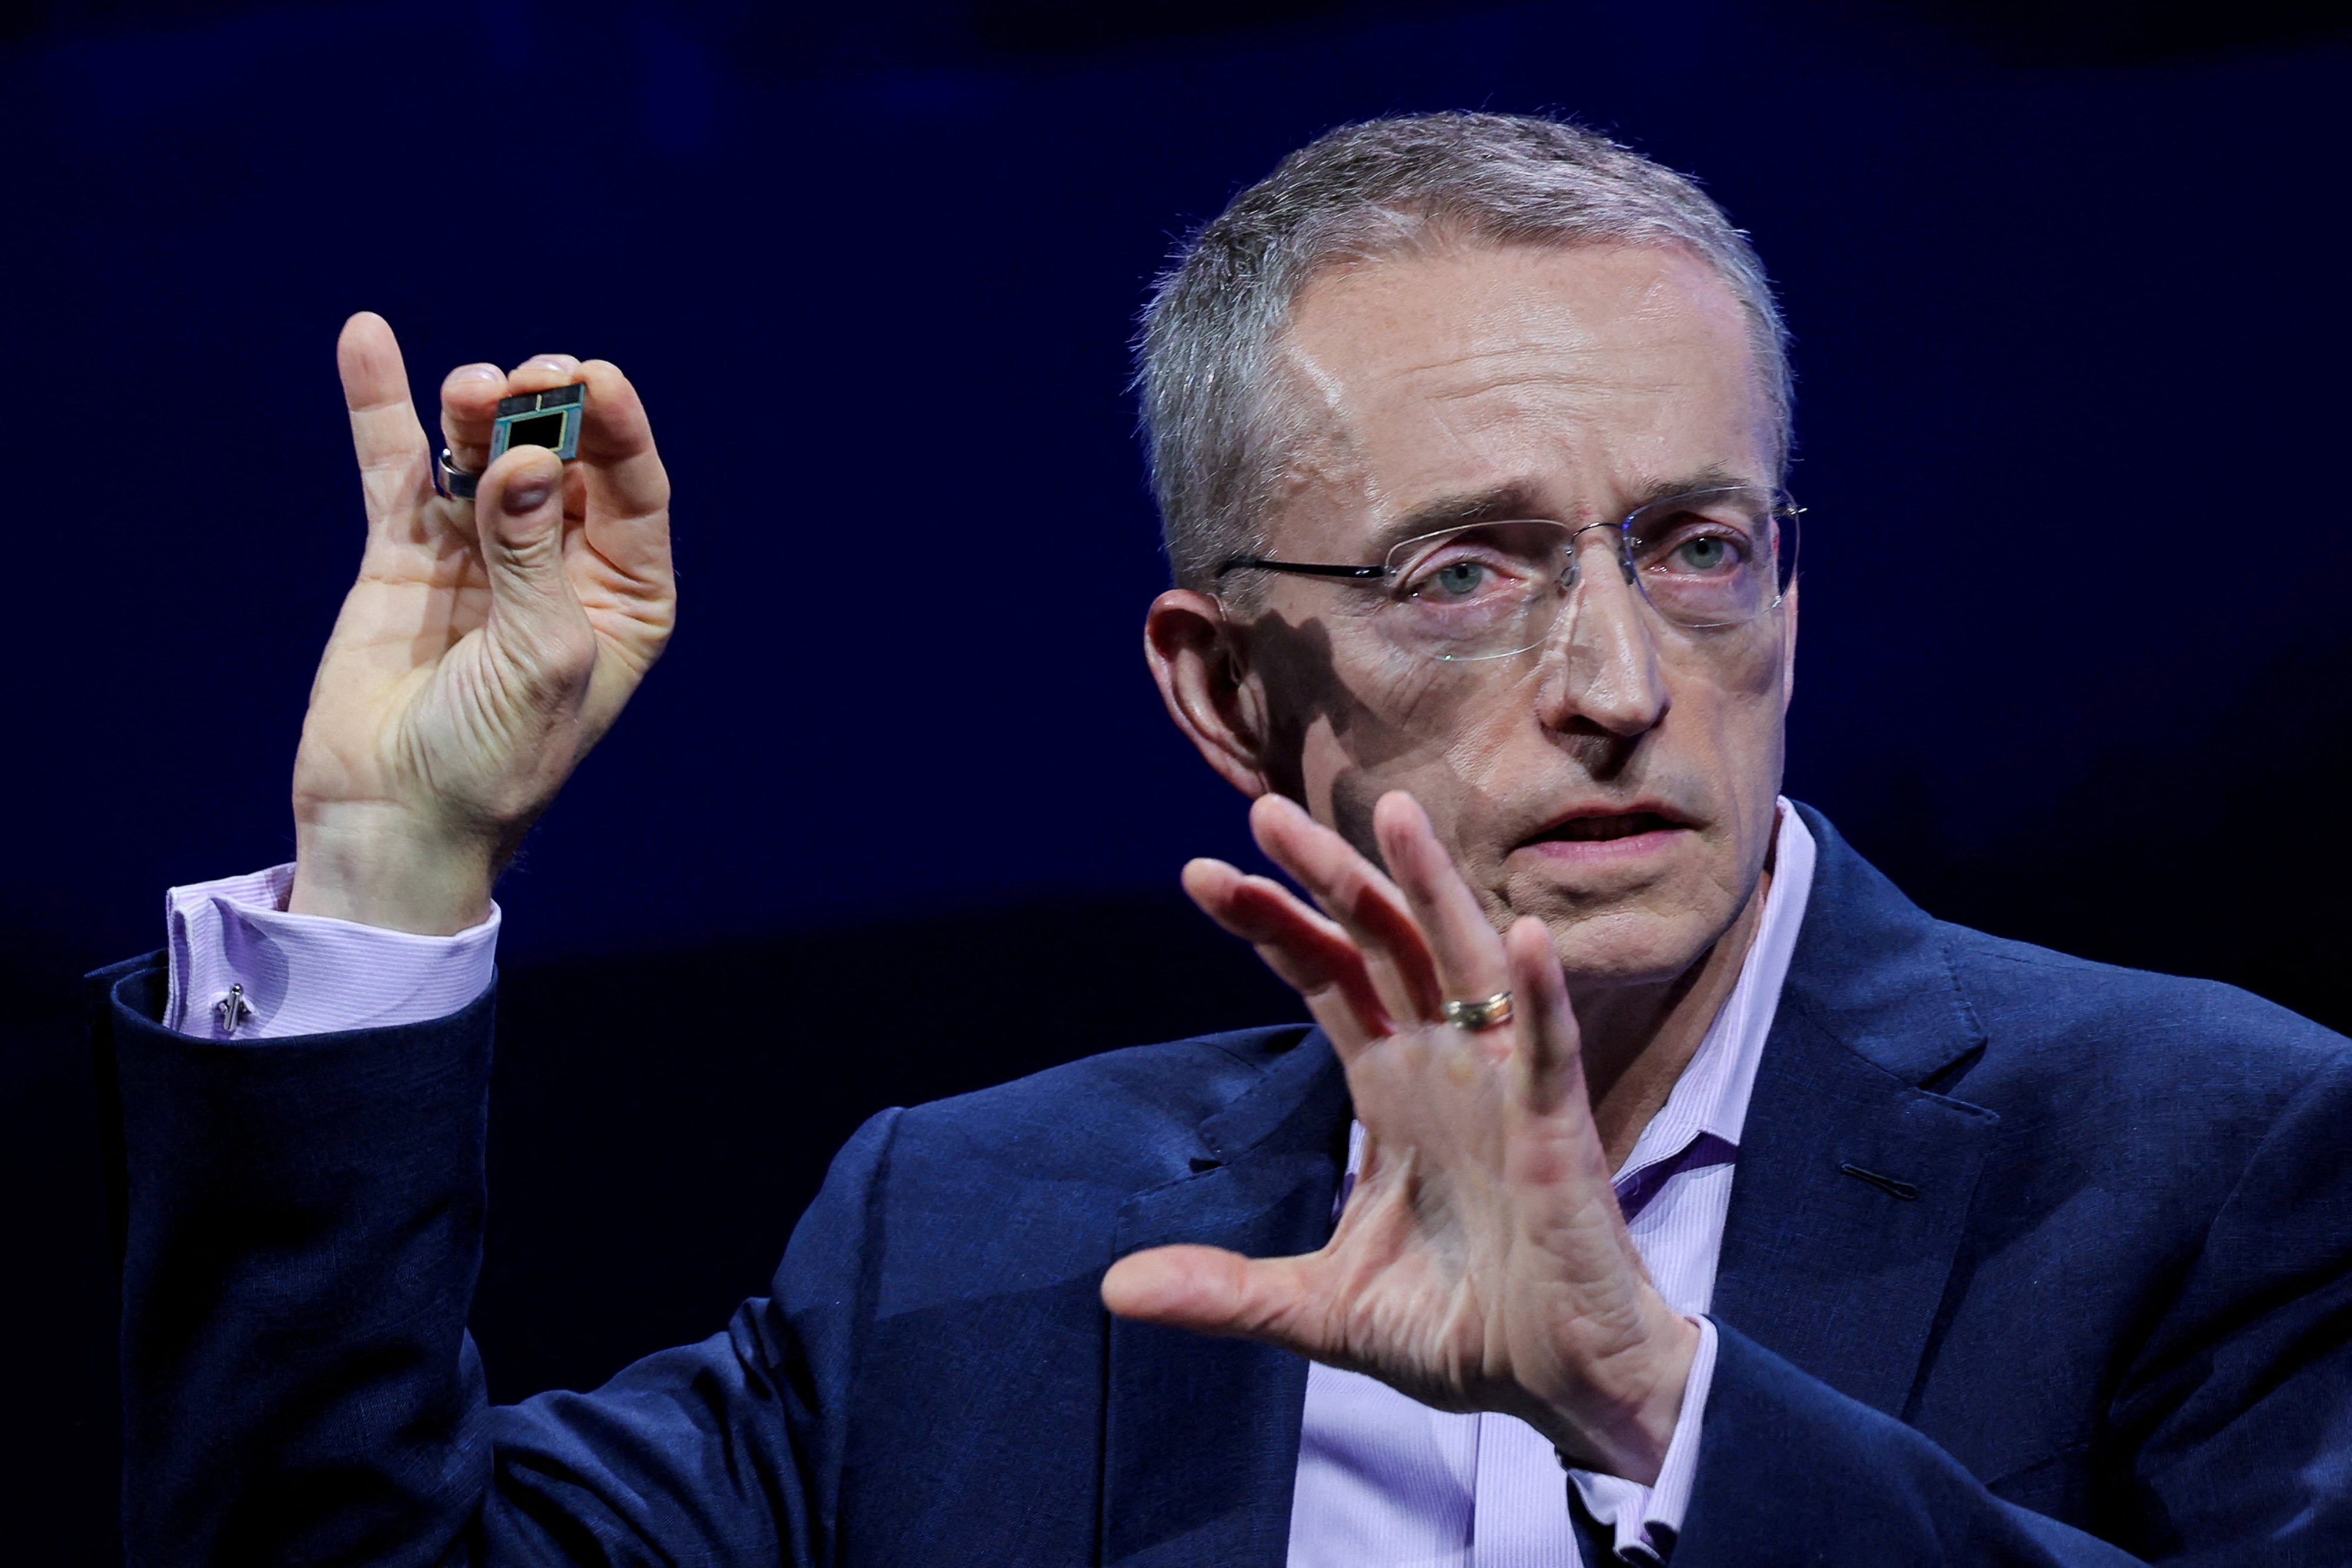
{"x":1599,"y":829}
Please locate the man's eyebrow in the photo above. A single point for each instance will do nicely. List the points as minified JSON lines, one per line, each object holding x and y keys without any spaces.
{"x":1711,"y":477}
{"x":1518,"y":499}
{"x":1501,"y":503}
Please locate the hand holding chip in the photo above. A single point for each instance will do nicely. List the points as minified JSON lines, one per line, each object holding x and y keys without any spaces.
{"x":489,"y":644}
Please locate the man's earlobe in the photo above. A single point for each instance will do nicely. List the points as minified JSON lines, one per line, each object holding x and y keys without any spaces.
{"x":1189,"y":646}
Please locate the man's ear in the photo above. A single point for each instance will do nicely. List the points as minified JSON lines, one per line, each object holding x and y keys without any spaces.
{"x":1220,"y":710}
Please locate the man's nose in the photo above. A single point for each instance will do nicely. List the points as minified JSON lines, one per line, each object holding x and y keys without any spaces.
{"x":1604,"y":667}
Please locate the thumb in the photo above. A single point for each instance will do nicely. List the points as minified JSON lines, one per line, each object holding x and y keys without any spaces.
{"x":519,"y":513}
{"x":535,"y":620}
{"x":1210,"y":1290}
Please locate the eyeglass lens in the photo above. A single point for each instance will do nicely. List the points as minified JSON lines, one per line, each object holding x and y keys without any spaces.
{"x":1711,"y":558}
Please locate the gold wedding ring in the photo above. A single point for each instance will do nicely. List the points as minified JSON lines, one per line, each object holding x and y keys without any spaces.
{"x":1475,"y":1016}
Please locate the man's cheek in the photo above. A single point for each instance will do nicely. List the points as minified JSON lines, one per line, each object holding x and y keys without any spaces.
{"x":1353,"y":794}
{"x":1355,"y":791}
{"x":1324,"y":764}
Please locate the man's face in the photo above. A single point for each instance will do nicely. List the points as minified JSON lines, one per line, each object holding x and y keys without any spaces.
{"x":1618,"y":781}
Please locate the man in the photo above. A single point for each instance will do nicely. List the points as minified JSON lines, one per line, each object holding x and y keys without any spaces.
{"x":1667,"y":1145}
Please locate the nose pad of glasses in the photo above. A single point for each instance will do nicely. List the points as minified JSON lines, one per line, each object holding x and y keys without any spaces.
{"x":1624,"y":553}
{"x":1567,"y":624}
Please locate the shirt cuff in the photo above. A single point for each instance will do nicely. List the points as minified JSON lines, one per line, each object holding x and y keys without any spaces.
{"x":1646,"y":1519}
{"x":242,"y":969}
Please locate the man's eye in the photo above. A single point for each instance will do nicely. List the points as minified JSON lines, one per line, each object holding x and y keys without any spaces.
{"x":1457,"y":579}
{"x":1706,"y":553}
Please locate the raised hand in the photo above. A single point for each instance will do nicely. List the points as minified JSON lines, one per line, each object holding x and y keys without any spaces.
{"x":488,"y":643}
{"x":1481,"y":1262}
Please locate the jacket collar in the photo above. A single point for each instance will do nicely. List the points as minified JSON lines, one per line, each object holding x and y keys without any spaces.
{"x":1871,"y":967}
{"x":1855,"y":1174}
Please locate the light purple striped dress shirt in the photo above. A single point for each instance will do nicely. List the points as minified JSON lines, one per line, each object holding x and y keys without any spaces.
{"x":305,"y":974}
{"x":1383,"y":1481}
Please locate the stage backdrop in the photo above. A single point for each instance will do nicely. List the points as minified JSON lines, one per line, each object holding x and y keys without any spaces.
{"x":2067,"y":290}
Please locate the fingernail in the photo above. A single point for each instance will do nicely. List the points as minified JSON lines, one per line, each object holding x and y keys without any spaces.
{"x":529,"y":495}
{"x":477,"y":373}
{"x":563,"y":363}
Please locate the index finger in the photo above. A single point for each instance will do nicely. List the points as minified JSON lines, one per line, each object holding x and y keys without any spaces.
{"x":1367,"y":904}
{"x":1308,"y":951}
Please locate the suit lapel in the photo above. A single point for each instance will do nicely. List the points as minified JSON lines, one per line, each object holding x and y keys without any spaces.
{"x":1201,"y":1445}
{"x":1855,"y":1179}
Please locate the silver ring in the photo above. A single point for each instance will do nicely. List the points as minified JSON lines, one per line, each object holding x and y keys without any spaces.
{"x":1475,"y":1016}
{"x":451,"y":480}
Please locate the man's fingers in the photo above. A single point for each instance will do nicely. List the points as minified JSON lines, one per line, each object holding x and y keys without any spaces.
{"x":628,"y":513}
{"x":536,"y":622}
{"x":469,"y":401}
{"x":1470,"y":963}
{"x":542,"y":373}
{"x":1551,"y":1059}
{"x":519,"y":508}
{"x":1354,"y":893}
{"x":394,"y":467}
{"x":618,"y":438}
{"x":1310,"y":954}
{"x":1210,"y":1290}
{"x":614,"y":541}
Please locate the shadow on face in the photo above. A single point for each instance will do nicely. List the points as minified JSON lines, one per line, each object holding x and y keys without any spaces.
{"x":1618,"y":781}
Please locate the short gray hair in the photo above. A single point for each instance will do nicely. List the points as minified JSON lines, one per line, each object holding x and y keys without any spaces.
{"x":1217,"y":442}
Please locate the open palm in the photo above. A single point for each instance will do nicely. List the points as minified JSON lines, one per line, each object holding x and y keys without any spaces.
{"x":1482,"y":1262}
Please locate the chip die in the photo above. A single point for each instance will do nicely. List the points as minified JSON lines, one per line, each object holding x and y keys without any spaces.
{"x":549,"y":419}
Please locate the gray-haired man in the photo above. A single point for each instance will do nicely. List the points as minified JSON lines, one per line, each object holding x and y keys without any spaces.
{"x":1657,"y":1181}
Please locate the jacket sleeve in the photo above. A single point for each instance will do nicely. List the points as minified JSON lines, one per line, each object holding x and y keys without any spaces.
{"x":2227,"y":1441}
{"x":302,"y":1229}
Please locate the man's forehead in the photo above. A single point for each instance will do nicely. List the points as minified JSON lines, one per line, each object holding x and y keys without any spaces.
{"x":1479,"y":378}
{"x":1466,"y":305}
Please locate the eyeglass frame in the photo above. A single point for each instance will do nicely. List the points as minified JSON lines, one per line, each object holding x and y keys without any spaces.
{"x":1784,"y":506}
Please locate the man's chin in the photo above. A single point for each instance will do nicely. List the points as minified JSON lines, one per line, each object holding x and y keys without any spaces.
{"x":1625,"y":929}
{"x":1632,"y":948}
{"x":1559,"y":878}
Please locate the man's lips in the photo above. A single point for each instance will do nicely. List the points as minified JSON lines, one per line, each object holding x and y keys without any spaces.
{"x":1570,"y":834}
{"x":1616,"y":825}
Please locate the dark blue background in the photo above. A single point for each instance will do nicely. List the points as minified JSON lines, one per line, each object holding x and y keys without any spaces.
{"x":2067,"y":285}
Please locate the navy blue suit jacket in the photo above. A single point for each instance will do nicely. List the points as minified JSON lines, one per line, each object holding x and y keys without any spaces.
{"x":2100,"y":1311}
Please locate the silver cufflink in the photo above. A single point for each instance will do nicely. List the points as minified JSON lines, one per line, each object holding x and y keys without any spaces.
{"x":233,"y":1009}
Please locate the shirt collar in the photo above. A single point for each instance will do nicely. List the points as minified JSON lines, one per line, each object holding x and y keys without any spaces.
{"x":1709,"y":1100}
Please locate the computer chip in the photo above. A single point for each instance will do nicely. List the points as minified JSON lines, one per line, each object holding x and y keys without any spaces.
{"x":549,"y":419}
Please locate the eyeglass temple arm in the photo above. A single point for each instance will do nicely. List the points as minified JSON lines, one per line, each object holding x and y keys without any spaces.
{"x":1302,"y":568}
